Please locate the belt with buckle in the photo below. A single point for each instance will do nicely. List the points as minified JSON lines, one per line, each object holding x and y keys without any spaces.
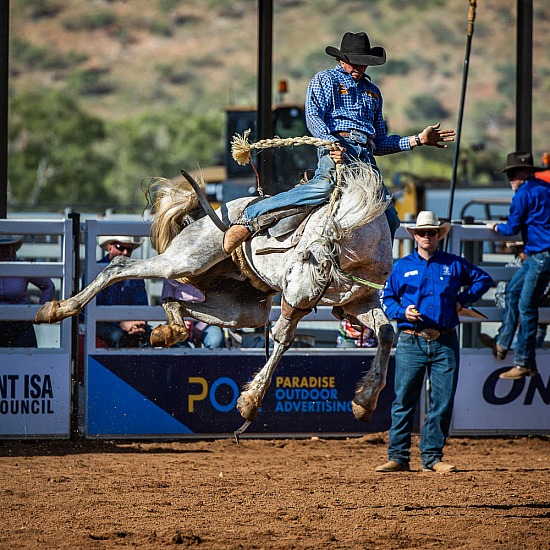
{"x":429,"y":334}
{"x":355,"y":135}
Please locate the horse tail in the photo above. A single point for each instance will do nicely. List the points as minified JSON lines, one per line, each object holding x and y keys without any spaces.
{"x":174,"y":206}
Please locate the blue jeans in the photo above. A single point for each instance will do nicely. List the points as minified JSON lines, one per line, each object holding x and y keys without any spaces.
{"x":319,"y":188}
{"x":213,"y":337}
{"x":439,"y":360}
{"x":522,"y":303}
{"x":510,"y":316}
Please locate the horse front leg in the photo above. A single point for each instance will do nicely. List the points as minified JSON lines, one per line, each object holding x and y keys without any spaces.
{"x":284,"y":332}
{"x":373,"y":382}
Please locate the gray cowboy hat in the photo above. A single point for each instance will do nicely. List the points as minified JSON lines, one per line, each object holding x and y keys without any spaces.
{"x":134,"y":242}
{"x":14,"y":240}
{"x":520,"y":159}
{"x":429,"y":220}
{"x":356,"y":50}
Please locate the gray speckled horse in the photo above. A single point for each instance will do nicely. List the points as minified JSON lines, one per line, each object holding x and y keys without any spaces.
{"x":344,"y":254}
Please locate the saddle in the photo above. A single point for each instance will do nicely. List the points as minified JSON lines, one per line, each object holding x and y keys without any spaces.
{"x":281,"y":223}
{"x":278,"y":224}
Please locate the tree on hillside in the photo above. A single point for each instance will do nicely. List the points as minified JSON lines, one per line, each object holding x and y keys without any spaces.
{"x":160,"y":143}
{"x":53,"y":157}
{"x":424,"y":107}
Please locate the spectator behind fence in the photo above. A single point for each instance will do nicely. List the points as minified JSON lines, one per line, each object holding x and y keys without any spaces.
{"x":351,"y":337}
{"x":200,"y":334}
{"x":529,"y":214}
{"x":131,"y":292}
{"x":424,"y":293}
{"x":13,"y":290}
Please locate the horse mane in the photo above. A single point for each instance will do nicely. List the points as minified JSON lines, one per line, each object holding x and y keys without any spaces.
{"x":361,"y":201}
{"x":174,"y":205}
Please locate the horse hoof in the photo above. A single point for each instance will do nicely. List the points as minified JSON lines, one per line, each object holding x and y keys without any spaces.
{"x":48,"y":313}
{"x":360,"y":412}
{"x":165,"y":336}
{"x":248,"y":410}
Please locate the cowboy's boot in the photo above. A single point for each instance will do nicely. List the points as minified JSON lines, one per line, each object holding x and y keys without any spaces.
{"x":234,"y":237}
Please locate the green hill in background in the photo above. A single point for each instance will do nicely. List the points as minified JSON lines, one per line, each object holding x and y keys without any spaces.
{"x":157,"y":75}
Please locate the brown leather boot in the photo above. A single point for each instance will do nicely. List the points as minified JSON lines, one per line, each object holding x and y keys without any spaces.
{"x":393,"y":466}
{"x":517,"y":373}
{"x":440,"y":467}
{"x":234,"y":237}
{"x":498,"y":351}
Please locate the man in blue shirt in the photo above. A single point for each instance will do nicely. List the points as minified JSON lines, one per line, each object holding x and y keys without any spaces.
{"x":529,"y":214}
{"x":343,"y":106}
{"x":424,"y":293}
{"x":124,"y":293}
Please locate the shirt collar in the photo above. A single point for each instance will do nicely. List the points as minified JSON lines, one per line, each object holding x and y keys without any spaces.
{"x":339,"y":68}
{"x":421,"y":258}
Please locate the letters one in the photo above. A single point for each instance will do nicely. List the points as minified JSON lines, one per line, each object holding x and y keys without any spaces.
{"x":534,"y":384}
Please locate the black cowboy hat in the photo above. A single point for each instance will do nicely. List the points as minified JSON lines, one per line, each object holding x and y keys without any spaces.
{"x":520,"y":159}
{"x":356,"y":50}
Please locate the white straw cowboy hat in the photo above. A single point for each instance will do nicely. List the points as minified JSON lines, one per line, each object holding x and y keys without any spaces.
{"x":134,"y":242}
{"x":356,"y":50}
{"x":428,"y":220}
{"x":15,"y":240}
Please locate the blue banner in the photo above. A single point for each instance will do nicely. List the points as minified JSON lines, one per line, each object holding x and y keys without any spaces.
{"x":178,"y":395}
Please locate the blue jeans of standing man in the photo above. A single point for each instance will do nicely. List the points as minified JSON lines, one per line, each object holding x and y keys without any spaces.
{"x":438,"y":360}
{"x":319,"y":188}
{"x":213,"y":337}
{"x":522,"y":303}
{"x":510,"y":316}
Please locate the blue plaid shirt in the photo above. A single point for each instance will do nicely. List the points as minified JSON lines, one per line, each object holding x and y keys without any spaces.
{"x":336,"y":103}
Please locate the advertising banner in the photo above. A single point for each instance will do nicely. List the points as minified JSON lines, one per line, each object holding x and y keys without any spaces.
{"x":179,"y":395}
{"x":35,"y":390}
{"x":487,"y":404}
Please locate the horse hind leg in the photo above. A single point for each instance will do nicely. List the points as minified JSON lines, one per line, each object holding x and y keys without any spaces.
{"x":57,"y":310}
{"x":175,"y":331}
{"x":118,"y":270}
{"x":373,"y":382}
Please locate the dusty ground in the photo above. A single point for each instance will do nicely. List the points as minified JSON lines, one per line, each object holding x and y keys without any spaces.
{"x":272,"y":494}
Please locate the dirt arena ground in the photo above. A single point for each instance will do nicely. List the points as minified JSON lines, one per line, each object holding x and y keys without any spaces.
{"x":312,"y":493}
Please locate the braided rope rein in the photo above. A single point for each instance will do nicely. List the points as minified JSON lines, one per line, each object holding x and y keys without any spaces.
{"x":241,"y":147}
